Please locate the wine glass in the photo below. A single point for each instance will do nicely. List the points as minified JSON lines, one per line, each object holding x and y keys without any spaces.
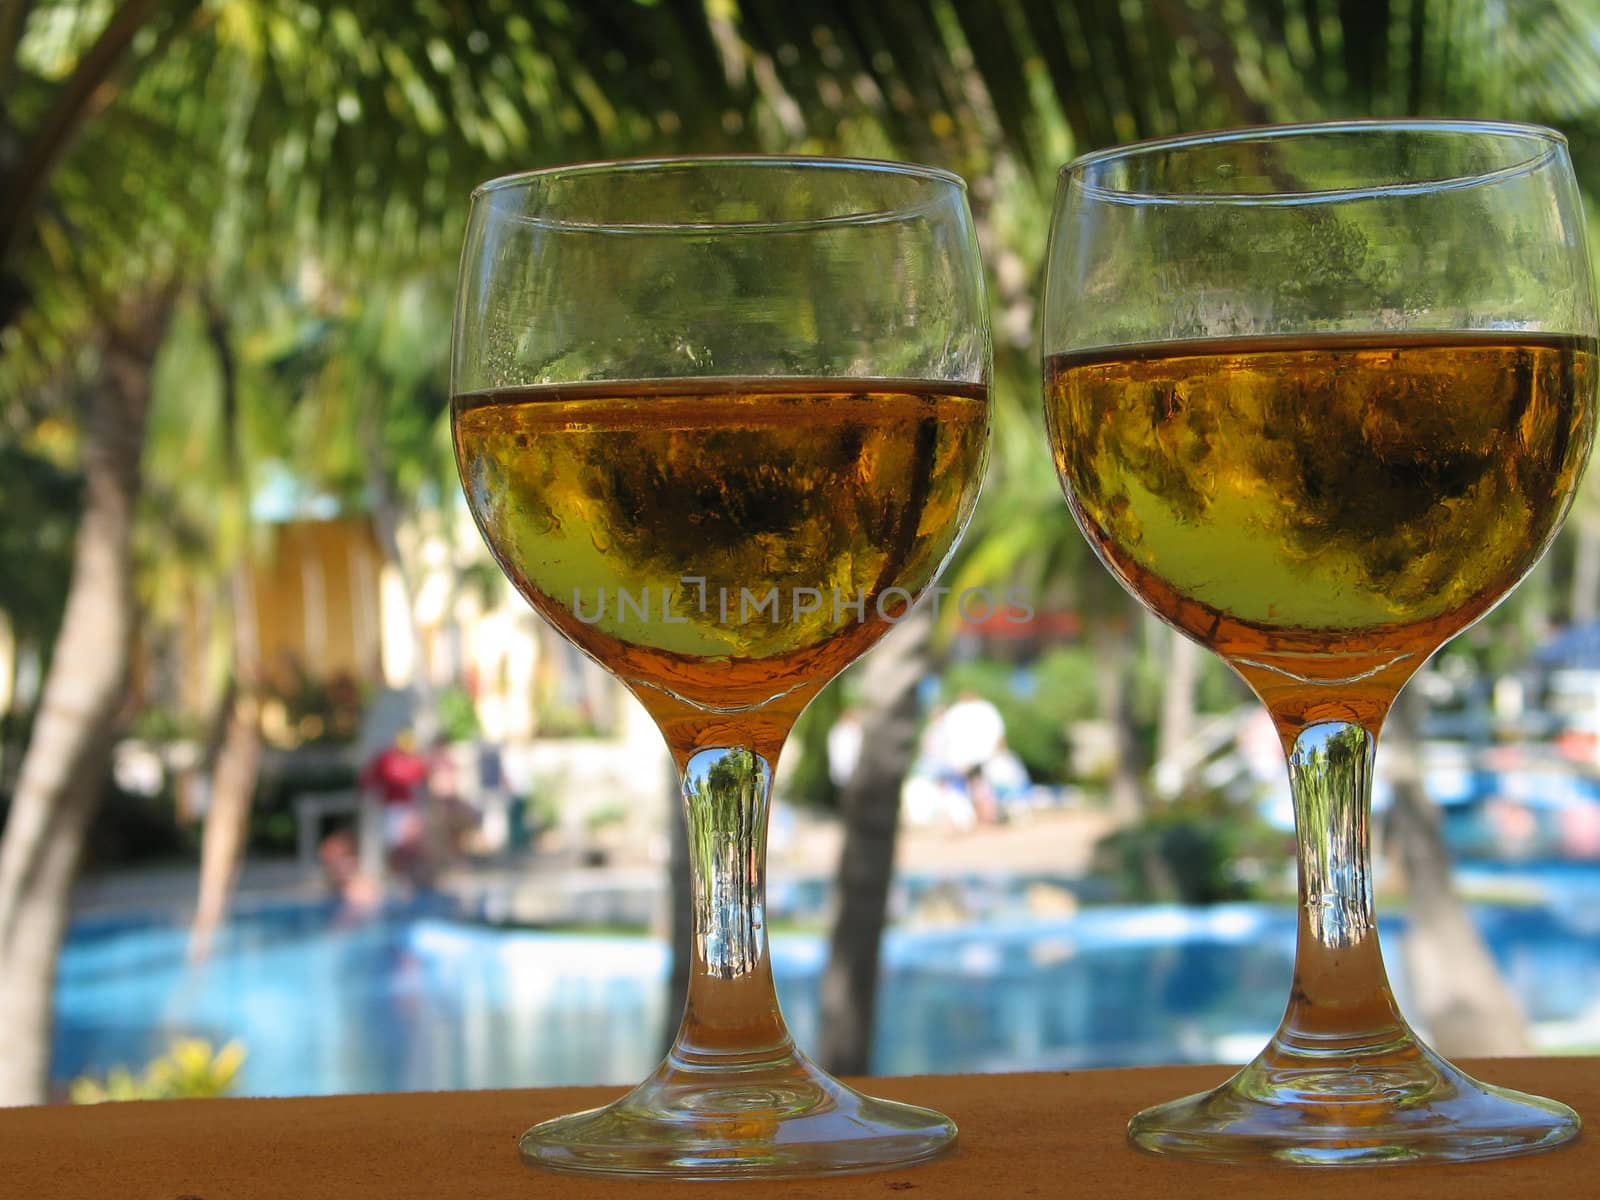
{"x":721,"y":421}
{"x":1320,"y":396}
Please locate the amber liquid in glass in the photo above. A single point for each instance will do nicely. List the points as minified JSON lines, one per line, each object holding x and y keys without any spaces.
{"x":722,"y":545}
{"x":1323,"y":510}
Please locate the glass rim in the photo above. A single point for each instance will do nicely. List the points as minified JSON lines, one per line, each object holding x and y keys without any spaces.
{"x":625,"y":166}
{"x":1554,"y":141}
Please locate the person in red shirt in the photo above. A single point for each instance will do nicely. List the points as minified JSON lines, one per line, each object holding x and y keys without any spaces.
{"x":399,"y":775}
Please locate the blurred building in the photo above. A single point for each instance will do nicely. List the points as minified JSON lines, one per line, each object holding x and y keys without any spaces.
{"x":315,"y":604}
{"x":325,"y":611}
{"x":334,"y":623}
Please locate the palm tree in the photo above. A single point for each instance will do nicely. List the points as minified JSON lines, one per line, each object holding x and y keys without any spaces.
{"x":69,"y":749}
{"x":190,"y":144}
{"x":182,"y":143}
{"x":69,"y":746}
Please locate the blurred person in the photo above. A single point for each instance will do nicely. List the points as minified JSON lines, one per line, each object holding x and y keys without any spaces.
{"x":443,"y":778}
{"x":398,"y":775}
{"x":341,"y":870}
{"x":452,"y":819}
{"x":1580,"y":830}
{"x":970,"y":734}
{"x":928,"y":798}
{"x":1007,"y":779}
{"x":493,"y":801}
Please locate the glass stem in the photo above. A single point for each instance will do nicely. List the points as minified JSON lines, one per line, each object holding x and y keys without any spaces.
{"x":732,"y":1009}
{"x":1341,"y":1003}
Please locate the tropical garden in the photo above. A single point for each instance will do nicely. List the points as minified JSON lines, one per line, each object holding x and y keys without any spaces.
{"x":228,"y":238}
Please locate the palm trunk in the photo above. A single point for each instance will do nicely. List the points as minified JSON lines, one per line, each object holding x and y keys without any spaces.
{"x":64,"y":768}
{"x":227,"y":825}
{"x":871,"y":808}
{"x":1455,"y":990}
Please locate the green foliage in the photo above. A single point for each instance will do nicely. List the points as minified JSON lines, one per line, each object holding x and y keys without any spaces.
{"x":540,"y":809}
{"x":40,"y":503}
{"x":190,"y":1070}
{"x":161,"y":724}
{"x":458,"y":716}
{"x":562,"y":719}
{"x":1202,"y":848}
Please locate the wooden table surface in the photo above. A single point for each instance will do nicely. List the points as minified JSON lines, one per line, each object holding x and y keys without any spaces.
{"x":1047,"y":1134}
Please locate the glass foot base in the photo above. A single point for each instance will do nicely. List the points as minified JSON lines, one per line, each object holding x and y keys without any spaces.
{"x":1404,"y":1104}
{"x":777,"y":1119}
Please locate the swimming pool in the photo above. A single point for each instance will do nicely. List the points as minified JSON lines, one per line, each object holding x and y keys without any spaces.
{"x":419,"y":999}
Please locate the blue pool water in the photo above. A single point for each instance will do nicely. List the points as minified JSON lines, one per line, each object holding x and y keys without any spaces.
{"x":417,"y":999}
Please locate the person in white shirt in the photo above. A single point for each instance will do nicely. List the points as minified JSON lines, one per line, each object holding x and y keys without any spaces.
{"x":970,"y":735}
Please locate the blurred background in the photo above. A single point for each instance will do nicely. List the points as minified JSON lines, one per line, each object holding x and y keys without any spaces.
{"x":300,"y":798}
